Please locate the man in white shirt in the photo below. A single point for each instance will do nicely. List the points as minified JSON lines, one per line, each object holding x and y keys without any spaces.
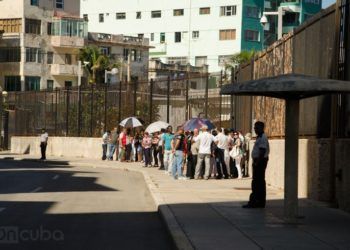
{"x":260,"y":155}
{"x":222,"y":143}
{"x":44,"y":137}
{"x":205,"y":140}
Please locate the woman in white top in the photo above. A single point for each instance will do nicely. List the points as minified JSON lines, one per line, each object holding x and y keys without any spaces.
{"x":236,"y":153}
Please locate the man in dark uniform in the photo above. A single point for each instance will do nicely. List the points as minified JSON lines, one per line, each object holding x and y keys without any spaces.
{"x":260,"y":156}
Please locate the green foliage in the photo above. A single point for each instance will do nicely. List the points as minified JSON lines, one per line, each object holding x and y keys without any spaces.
{"x":240,"y":58}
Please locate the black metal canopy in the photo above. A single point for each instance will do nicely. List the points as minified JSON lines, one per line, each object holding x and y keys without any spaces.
{"x":290,"y":86}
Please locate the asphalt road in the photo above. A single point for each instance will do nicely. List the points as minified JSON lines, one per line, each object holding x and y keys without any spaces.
{"x":51,"y":205}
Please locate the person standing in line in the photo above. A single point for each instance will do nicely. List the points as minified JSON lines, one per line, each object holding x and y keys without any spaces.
{"x":155,"y":142}
{"x":167,"y":147}
{"x":204,"y":153}
{"x":146,"y":144}
{"x":105,"y":139}
{"x":222,"y":143}
{"x":44,"y":137}
{"x":260,"y":155}
{"x":160,"y":149}
{"x":128,"y":146}
{"x":122,"y":144}
{"x":194,"y":154}
{"x":178,"y":151}
{"x":237,"y":155}
{"x":112,"y":144}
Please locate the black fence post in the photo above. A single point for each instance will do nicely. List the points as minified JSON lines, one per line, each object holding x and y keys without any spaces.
{"x":56,"y":109}
{"x":232,"y":115}
{"x":220,"y":99}
{"x":187,"y":88}
{"x":206,"y":95}
{"x":151,"y":101}
{"x":168,"y":100}
{"x":45,"y":109}
{"x":79,"y":111}
{"x":135,"y":97}
{"x":91,"y":110}
{"x":105,"y":109}
{"x":67,"y":111}
{"x":120,"y":103}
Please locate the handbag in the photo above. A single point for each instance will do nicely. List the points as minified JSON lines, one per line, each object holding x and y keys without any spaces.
{"x":235,"y":152}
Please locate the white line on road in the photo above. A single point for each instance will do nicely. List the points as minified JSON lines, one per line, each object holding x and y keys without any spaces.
{"x":36,"y":190}
{"x":55,"y":177}
{"x":2,"y":209}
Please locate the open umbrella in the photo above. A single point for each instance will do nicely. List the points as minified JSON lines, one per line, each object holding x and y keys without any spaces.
{"x":156,"y":126}
{"x":197,"y":123}
{"x":130,"y":122}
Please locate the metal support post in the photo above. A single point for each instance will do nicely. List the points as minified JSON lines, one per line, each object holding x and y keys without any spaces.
{"x":151,"y":101}
{"x":168,"y":101}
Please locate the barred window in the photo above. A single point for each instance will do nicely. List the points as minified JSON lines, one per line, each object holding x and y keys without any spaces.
{"x":32,"y":26}
{"x":11,"y":25}
{"x":228,"y":10}
{"x":10,"y":54}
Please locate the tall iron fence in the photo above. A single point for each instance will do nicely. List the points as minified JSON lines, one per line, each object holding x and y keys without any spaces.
{"x":89,"y":110}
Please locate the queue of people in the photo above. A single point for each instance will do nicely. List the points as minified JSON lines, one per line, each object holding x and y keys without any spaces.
{"x":197,"y":154}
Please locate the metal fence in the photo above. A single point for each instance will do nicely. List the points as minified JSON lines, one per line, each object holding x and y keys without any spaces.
{"x":89,"y":110}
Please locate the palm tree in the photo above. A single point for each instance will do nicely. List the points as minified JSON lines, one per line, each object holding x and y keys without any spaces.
{"x":97,"y":62}
{"x":240,"y":58}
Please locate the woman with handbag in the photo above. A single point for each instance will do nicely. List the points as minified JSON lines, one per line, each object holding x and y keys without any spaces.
{"x":237,"y":154}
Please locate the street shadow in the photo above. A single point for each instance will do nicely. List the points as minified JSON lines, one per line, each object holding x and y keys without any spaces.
{"x":26,"y":225}
{"x":10,"y":162}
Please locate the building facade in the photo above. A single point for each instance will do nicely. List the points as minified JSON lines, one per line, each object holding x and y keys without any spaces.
{"x":40,"y":44}
{"x":185,"y":31}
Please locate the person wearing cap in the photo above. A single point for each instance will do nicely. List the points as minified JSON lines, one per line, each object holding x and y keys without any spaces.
{"x":204,"y":152}
{"x":44,"y":137}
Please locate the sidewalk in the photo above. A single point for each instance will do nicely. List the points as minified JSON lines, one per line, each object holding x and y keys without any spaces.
{"x":208,"y":215}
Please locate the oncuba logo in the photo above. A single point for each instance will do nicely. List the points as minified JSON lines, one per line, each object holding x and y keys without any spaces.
{"x":13,"y":235}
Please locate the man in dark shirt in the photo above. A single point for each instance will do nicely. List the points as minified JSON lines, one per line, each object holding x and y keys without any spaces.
{"x":178,"y":151}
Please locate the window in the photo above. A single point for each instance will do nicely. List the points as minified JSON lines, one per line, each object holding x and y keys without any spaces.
{"x":162,"y":37}
{"x":106,"y":51}
{"x":140,"y":36}
{"x":33,"y":55}
{"x":133,"y":55}
{"x":224,"y":60}
{"x":228,"y":34}
{"x":200,"y":61}
{"x":152,"y":37}
{"x":68,"y":84}
{"x":228,"y":10}
{"x":32,"y":26}
{"x":101,"y":18}
{"x":59,"y":4}
{"x":179,"y":12}
{"x":68,"y":59}
{"x":34,"y":2}
{"x":86,"y":17}
{"x":138,"y":15}
{"x":156,"y":14}
{"x":69,"y":27}
{"x":121,"y":15}
{"x":252,"y":12}
{"x":251,"y":35}
{"x":179,"y":60}
{"x":126,"y":54}
{"x":11,"y":25}
{"x":178,"y":37}
{"x":32,"y":83}
{"x":139,"y":55}
{"x":12,"y":83}
{"x":49,"y":85}
{"x":195,"y":34}
{"x":204,"y":11}
{"x":10,"y":54}
{"x":49,"y":57}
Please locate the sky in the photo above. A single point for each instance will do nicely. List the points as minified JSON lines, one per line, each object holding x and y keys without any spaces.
{"x":326,"y":3}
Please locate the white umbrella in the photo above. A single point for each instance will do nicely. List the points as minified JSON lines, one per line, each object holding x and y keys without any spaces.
{"x":130,"y":122}
{"x":156,"y":126}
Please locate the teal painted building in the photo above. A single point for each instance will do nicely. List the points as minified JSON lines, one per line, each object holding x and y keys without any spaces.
{"x":255,"y":36}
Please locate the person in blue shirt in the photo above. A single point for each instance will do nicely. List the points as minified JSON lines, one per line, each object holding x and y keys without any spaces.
{"x":168,"y":149}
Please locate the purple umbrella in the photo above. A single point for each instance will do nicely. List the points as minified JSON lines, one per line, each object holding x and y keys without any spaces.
{"x":197,"y":123}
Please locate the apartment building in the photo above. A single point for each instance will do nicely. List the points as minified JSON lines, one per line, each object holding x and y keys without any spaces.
{"x":40,"y":43}
{"x":189,"y":31}
{"x":131,"y":53}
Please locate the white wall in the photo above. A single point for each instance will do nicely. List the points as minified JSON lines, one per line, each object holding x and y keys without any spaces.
{"x":208,"y":26}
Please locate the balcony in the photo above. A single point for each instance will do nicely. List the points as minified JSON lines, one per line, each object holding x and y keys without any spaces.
{"x":64,"y":70}
{"x":67,"y":41}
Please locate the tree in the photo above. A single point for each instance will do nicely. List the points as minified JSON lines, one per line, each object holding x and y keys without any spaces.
{"x":240,"y":58}
{"x":97,"y":63}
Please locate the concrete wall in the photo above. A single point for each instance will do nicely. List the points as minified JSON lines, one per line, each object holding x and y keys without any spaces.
{"x":59,"y":146}
{"x":342,"y":149}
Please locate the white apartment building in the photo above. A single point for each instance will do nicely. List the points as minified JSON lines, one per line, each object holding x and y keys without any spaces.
{"x":40,"y":44}
{"x":182,"y":31}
